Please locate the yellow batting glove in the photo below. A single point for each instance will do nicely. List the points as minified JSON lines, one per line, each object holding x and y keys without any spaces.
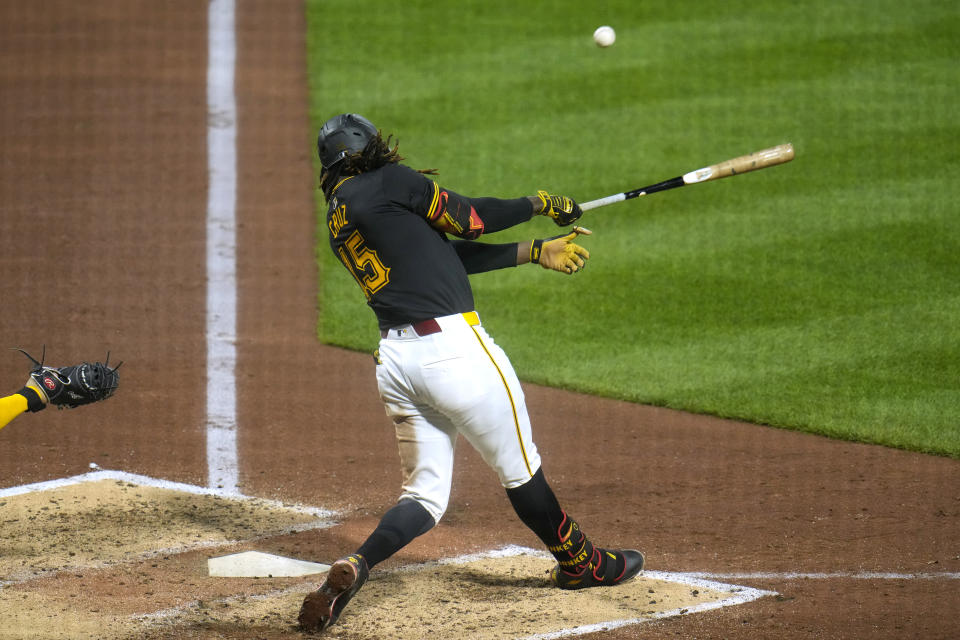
{"x":560,"y":253}
{"x":561,"y":209}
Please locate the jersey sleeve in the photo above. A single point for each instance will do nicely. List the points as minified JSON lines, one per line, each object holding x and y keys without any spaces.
{"x":443,"y":209}
{"x":453,"y":213}
{"x":478,"y":257}
{"x":498,"y":214}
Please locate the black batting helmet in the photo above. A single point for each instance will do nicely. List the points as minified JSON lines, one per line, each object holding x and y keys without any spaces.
{"x":342,"y":135}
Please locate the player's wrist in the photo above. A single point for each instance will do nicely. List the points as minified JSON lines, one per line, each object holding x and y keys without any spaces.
{"x":536,"y":249}
{"x":523,"y":252}
{"x":539,"y":205}
{"x":36,"y":401}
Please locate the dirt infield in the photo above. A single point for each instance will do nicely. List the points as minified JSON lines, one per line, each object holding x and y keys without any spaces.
{"x":103,"y":197}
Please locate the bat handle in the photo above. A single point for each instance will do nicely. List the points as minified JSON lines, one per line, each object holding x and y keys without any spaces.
{"x":602,"y":202}
{"x":672,"y":183}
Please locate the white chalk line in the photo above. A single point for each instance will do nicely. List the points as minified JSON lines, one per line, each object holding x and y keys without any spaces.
{"x":166,"y":615}
{"x":825,"y":575}
{"x":221,"y":309}
{"x":506,"y":551}
{"x":737,"y":595}
{"x":325,"y":518}
{"x":147,"y":481}
{"x":690,"y":576}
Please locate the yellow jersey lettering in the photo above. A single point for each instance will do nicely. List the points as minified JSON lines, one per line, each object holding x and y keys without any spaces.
{"x":366,"y":266}
{"x":338,"y":220}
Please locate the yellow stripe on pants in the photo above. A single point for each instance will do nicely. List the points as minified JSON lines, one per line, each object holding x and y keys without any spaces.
{"x":513,"y":405}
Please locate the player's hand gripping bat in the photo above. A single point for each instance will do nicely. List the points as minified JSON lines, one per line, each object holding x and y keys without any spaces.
{"x":735,"y":166}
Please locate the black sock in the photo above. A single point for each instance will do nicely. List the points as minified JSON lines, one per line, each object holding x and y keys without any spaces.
{"x":538,"y":508}
{"x":402,"y":523}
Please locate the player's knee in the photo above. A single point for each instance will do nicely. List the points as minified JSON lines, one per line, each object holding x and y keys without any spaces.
{"x":435,"y":506}
{"x":515,"y":475}
{"x":415,"y":518}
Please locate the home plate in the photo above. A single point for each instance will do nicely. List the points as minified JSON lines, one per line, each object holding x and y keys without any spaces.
{"x":256,"y":564}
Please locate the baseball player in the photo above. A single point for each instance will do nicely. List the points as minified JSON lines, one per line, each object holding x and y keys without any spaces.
{"x":63,"y":387}
{"x":409,"y":244}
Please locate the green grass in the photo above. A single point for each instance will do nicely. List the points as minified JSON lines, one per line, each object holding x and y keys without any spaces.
{"x":823,"y":295}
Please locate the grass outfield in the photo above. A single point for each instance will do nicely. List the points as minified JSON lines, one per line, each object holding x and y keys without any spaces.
{"x":821,"y":295}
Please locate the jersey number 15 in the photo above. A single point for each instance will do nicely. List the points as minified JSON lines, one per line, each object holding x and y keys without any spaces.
{"x":364,"y":264}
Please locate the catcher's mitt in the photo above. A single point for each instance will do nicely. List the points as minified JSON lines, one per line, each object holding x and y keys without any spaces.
{"x":69,"y":387}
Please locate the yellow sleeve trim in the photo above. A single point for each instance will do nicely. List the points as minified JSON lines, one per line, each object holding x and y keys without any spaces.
{"x":340,"y":183}
{"x":434,"y":203}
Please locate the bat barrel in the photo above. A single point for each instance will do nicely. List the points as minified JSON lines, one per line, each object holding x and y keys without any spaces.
{"x":756,"y":160}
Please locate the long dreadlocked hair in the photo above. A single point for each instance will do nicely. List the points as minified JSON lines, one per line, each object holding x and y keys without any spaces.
{"x":374,"y":155}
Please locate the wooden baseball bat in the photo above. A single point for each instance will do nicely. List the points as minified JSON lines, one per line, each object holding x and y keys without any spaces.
{"x":735,"y":166}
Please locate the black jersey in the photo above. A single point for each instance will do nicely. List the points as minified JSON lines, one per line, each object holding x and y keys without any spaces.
{"x":389,"y":229}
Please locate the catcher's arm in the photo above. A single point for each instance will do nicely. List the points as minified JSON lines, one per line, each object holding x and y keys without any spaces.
{"x":69,"y":387}
{"x":13,"y":405}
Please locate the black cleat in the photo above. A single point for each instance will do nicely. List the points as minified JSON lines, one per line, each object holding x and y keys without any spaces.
{"x":605,"y":569}
{"x":322,"y":607}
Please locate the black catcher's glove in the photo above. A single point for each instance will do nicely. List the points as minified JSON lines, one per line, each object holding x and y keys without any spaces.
{"x":562,"y":209}
{"x":70,"y":387}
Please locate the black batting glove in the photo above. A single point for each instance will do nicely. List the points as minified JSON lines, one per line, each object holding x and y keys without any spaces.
{"x":561,"y":209}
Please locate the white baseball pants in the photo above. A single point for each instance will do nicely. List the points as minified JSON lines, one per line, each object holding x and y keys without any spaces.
{"x":436,"y":386}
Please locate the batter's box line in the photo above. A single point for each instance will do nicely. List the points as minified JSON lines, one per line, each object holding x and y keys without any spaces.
{"x":826,"y":575}
{"x":324,"y":518}
{"x":147,"y":481}
{"x":738,"y":594}
{"x":689,"y":577}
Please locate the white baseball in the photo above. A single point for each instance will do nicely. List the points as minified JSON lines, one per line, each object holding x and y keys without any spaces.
{"x":604,"y":36}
